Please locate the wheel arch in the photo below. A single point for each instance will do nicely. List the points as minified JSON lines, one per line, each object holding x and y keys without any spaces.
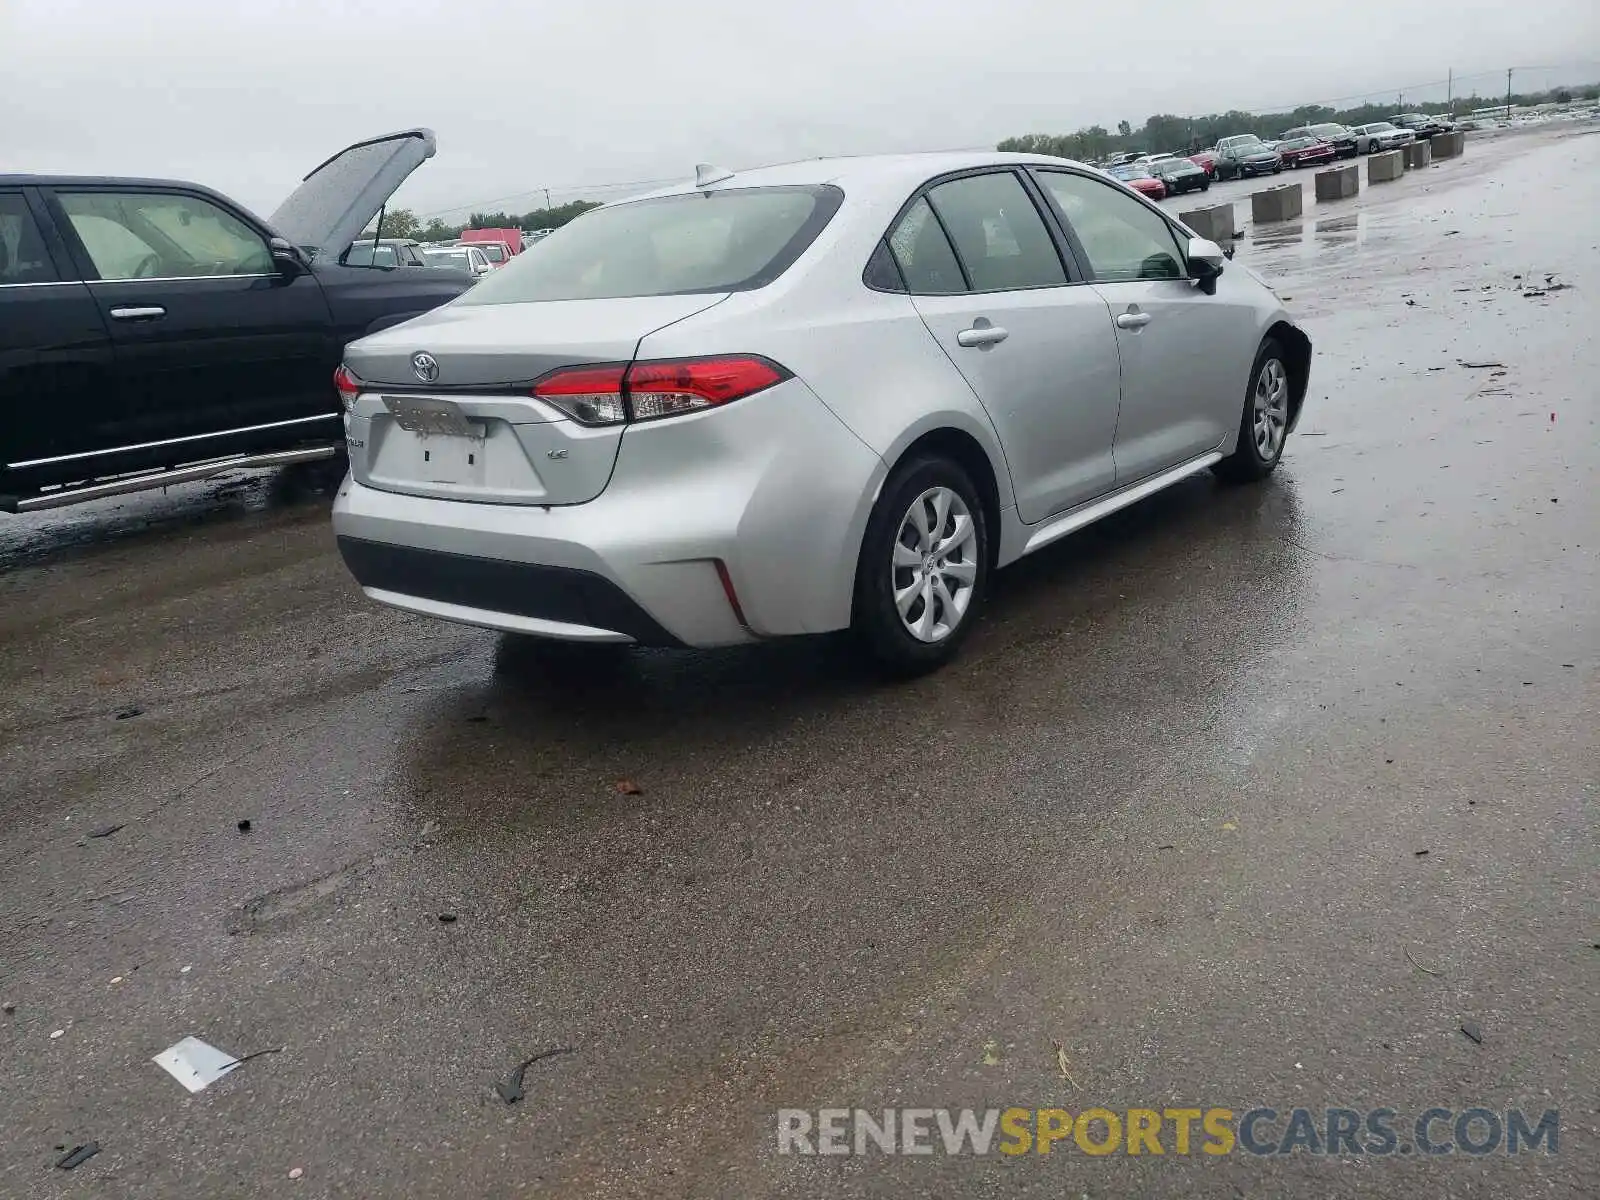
{"x":968,"y":453}
{"x":1297,"y":359}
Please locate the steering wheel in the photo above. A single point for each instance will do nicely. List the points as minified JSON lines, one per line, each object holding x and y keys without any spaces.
{"x":148,"y":267}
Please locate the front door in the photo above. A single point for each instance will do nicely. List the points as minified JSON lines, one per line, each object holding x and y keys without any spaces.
{"x":1037,"y":348}
{"x":1182,"y":379}
{"x":211,"y":339}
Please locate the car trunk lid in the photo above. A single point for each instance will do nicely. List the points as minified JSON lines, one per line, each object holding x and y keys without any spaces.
{"x":446,"y":406}
{"x":335,"y":201}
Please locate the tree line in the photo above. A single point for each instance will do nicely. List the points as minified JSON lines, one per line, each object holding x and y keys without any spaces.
{"x":403,"y":223}
{"x":1164,"y":131}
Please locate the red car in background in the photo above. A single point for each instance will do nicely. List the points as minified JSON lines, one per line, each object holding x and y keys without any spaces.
{"x":1140,"y":180}
{"x":1306,"y":152}
{"x":498,"y":244}
{"x":1207,"y":160}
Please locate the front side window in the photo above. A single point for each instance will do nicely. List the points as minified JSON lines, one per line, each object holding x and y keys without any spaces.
{"x":1122,"y":238}
{"x":23,"y":257}
{"x":729,"y":240}
{"x":162,"y":235}
{"x":998,"y":232}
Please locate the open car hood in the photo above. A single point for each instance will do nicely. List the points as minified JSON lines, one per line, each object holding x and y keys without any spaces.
{"x":335,"y":202}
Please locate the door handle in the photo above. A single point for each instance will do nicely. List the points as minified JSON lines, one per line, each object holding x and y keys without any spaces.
{"x":151,"y":312}
{"x":1133,"y":320}
{"x":982,"y":335}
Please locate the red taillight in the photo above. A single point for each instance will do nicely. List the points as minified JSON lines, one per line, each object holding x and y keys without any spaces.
{"x":592,"y":395}
{"x":644,"y":391}
{"x":665,"y":389}
{"x":347,"y":385}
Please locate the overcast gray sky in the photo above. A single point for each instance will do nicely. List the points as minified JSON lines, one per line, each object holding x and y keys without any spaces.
{"x":527,"y":95}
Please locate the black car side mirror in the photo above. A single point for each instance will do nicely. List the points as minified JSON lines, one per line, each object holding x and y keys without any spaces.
{"x":286,"y":258}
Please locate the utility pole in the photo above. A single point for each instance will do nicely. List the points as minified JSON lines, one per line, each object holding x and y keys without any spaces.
{"x":547,"y":199}
{"x":1508,"y":93}
{"x":1450,"y":92}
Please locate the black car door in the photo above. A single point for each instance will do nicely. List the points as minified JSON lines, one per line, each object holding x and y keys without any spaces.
{"x":213,"y":342}
{"x":55,"y":352}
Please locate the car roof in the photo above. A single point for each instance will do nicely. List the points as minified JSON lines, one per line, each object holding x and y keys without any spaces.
{"x":869,"y":173}
{"x":55,"y":181}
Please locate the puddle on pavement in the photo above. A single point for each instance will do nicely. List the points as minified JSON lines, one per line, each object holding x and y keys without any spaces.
{"x":31,"y":537}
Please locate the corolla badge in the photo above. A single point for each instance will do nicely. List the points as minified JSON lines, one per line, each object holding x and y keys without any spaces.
{"x":425,"y":366}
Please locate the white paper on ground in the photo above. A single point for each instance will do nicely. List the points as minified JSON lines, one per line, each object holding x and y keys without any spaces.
{"x":194,"y":1063}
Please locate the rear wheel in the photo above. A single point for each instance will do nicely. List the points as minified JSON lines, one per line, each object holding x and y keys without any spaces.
{"x":1264,"y":423}
{"x":924,"y":567}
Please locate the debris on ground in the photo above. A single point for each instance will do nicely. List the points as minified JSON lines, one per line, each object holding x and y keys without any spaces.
{"x":628,"y":787}
{"x":57,"y":1034}
{"x":197,"y":1065}
{"x":991,"y":1053}
{"x":429,"y":828}
{"x":296,"y":1172}
{"x":1474,"y":1034}
{"x":1420,"y":853}
{"x":128,"y":712}
{"x":510,"y":1088}
{"x":77,"y":1156}
{"x":105,"y":831}
{"x":1480,"y":366}
{"x":244,"y":825}
{"x":1062,"y":1064}
{"x":1419,"y":966}
{"x":8,"y":1008}
{"x":447,"y":918}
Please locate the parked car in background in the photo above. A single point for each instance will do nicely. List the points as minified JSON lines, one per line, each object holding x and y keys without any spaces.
{"x":1140,"y":180}
{"x":695,"y":418}
{"x":1244,"y":155}
{"x":498,"y":245}
{"x":384,"y":252}
{"x":1381,"y":135}
{"x":530,"y":236}
{"x":1422,"y":125}
{"x":1206,"y":160}
{"x":1305,"y":152}
{"x":153,"y":331}
{"x":1336,"y":135}
{"x":464,"y":257}
{"x":1180,"y":175}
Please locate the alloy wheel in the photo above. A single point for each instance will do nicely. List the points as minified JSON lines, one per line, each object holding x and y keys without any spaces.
{"x":1271,"y":412}
{"x":935,"y":564}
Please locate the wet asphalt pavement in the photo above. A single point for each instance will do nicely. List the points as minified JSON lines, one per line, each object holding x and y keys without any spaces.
{"x":1169,"y":810}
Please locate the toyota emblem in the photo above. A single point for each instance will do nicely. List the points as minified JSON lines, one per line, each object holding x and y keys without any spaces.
{"x":425,"y":365}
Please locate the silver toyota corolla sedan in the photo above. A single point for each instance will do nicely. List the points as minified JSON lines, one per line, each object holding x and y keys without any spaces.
{"x":828,"y":395}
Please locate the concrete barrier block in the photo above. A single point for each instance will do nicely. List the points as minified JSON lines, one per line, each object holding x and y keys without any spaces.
{"x":1214,"y":223}
{"x":1448,"y":145}
{"x":1418,"y":154}
{"x":1279,"y":203}
{"x":1381,"y":168}
{"x":1338,"y":183}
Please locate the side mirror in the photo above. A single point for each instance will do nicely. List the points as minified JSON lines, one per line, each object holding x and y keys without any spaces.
{"x":286,"y":257}
{"x":1206,"y":260}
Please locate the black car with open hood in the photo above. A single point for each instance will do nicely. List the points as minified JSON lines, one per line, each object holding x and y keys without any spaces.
{"x":153,"y":331}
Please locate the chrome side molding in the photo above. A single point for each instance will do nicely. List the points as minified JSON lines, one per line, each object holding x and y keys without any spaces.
{"x":159,"y":479}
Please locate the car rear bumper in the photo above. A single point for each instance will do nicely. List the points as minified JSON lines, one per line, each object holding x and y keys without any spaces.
{"x":715,"y":529}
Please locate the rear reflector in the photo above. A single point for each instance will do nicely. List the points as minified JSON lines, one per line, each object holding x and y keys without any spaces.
{"x":606,"y":395}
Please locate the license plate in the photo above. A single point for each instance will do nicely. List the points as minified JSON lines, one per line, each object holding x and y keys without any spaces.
{"x":424,"y":416}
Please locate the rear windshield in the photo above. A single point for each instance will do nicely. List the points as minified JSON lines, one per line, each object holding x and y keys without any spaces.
{"x":721,"y":241}
{"x":494,"y":250}
{"x":365,"y":254}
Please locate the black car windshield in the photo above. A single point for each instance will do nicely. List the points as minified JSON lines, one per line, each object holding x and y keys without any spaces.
{"x":1328,"y":131}
{"x":1299,"y":143}
{"x":720,"y":241}
{"x":1174,"y":166}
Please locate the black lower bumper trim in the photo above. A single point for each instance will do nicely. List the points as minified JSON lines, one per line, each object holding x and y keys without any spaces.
{"x":547,"y":593}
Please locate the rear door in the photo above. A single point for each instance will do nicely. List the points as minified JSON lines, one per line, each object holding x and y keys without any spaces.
{"x":211,"y":338}
{"x":1185,"y":355}
{"x":1035,"y":345}
{"x":55,"y":352}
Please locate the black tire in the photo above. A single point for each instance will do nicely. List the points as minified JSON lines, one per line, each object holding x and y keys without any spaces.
{"x":1206,"y":186}
{"x":1247,"y":463}
{"x":877,"y":622}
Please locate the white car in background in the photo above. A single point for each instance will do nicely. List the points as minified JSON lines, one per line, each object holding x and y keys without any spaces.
{"x":834,"y":394}
{"x":462,"y":256}
{"x":1381,"y":135}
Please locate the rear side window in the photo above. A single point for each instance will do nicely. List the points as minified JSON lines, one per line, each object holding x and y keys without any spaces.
{"x":23,"y":257}
{"x":927,"y":262}
{"x":163,"y":235}
{"x":721,"y":241}
{"x":999,"y":234}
